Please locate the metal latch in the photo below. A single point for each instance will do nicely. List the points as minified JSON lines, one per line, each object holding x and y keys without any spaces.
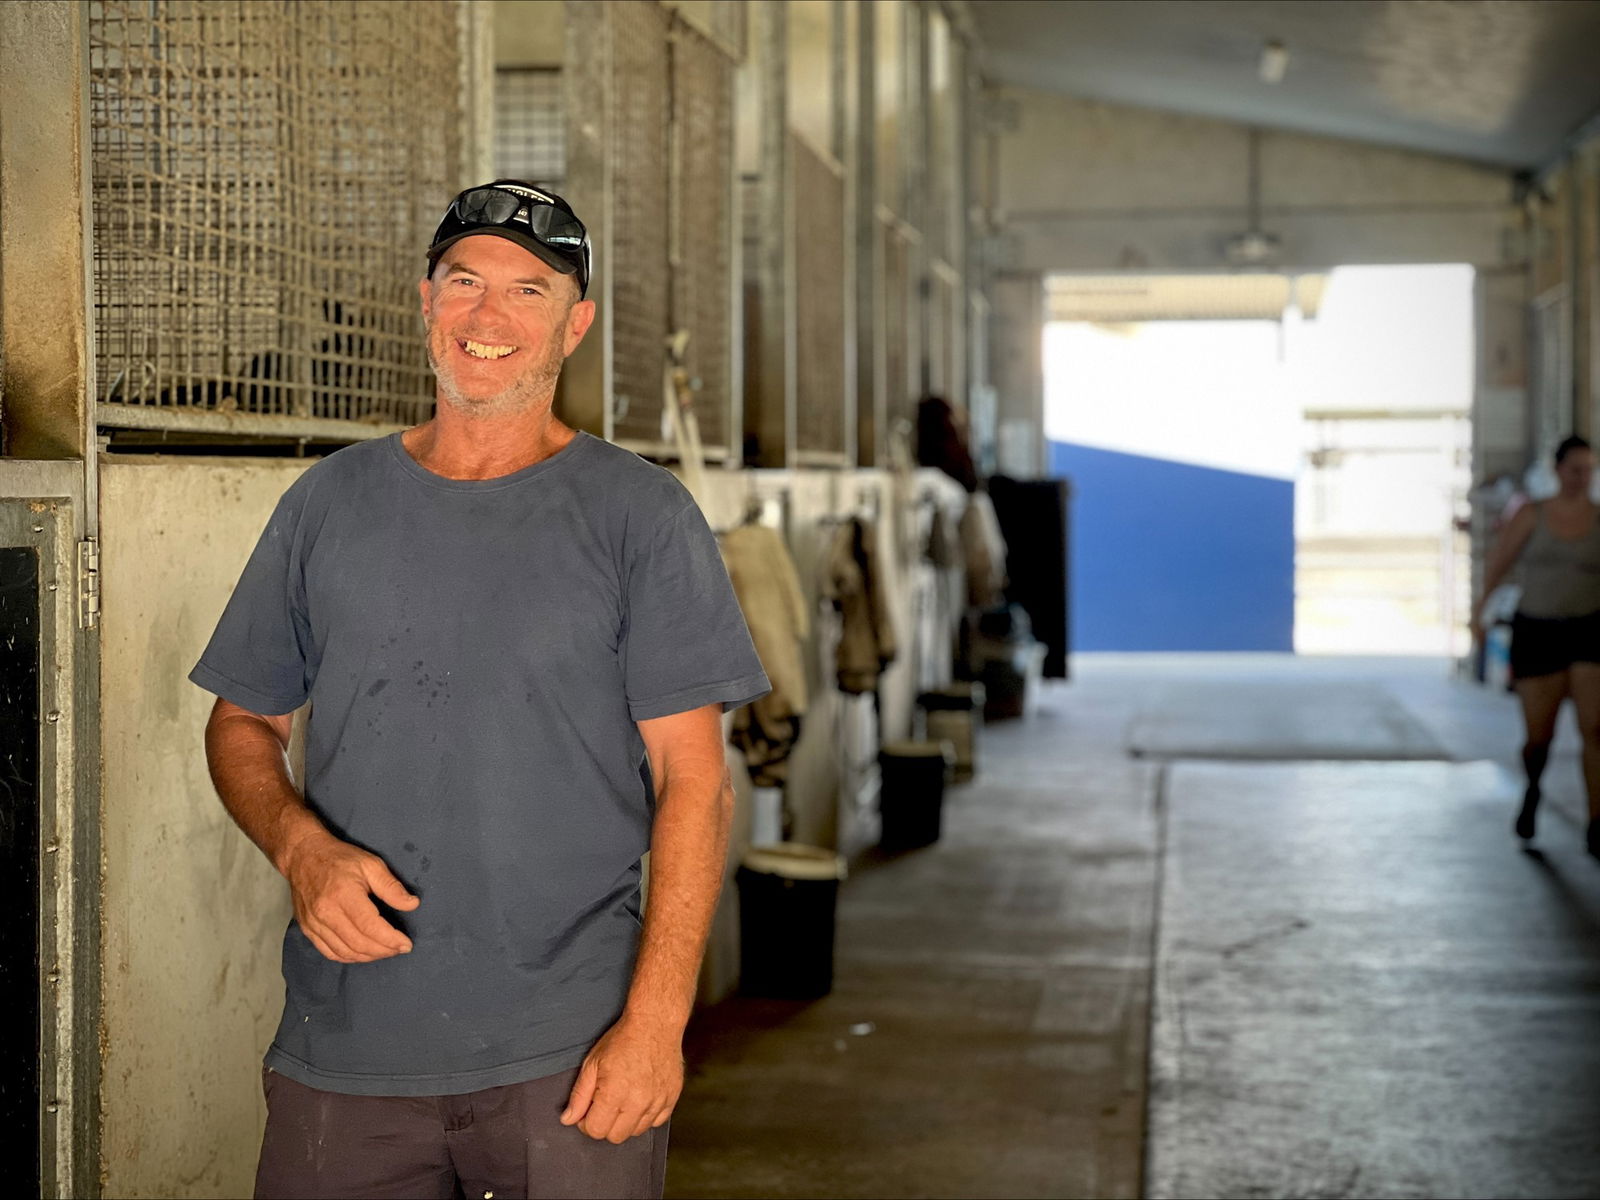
{"x":88,"y":583}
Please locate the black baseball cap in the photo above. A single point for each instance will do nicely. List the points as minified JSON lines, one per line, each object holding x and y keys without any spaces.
{"x":535,"y":218}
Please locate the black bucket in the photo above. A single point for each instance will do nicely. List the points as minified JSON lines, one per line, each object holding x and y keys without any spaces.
{"x":954,"y":714}
{"x":911,"y":801}
{"x":787,"y":897}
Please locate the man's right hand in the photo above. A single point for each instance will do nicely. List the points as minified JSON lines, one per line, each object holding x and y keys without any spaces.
{"x":333,"y":883}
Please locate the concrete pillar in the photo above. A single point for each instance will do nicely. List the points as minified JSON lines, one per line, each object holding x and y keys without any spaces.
{"x":46,"y":232}
{"x":1586,"y":241}
{"x":1502,"y":435}
{"x":842,"y":143}
{"x":1573,"y":198}
{"x":1504,"y":420}
{"x":1017,"y":360}
{"x":584,"y":396}
{"x":770,"y":377}
{"x":914,"y":137}
{"x":871,"y":387}
{"x":476,"y":25}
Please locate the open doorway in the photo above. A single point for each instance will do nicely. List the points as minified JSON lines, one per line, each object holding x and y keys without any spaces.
{"x":1265,"y":463}
{"x":1384,"y":381}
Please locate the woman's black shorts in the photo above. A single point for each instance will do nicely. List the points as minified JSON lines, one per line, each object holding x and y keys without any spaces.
{"x":1548,"y":645}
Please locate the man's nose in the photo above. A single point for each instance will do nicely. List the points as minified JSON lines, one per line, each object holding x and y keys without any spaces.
{"x":490,"y":303}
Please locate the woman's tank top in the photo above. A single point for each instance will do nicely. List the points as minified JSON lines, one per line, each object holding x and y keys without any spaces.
{"x":1560,"y":576}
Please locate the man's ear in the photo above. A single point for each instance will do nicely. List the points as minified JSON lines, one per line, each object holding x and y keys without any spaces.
{"x":579,"y":319}
{"x":425,"y":290}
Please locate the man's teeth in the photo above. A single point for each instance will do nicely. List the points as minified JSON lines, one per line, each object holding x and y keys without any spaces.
{"x":479,"y":350}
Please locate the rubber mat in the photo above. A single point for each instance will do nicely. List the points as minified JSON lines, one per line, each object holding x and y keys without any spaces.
{"x":1269,"y":719}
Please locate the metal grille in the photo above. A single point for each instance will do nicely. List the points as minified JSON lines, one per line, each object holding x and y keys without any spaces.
{"x":819,"y":216}
{"x":530,"y":125}
{"x":638,"y":152}
{"x":702,"y":270}
{"x":265,"y":176}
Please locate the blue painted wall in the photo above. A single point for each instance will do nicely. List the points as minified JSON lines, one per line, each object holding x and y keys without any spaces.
{"x":1170,"y":556}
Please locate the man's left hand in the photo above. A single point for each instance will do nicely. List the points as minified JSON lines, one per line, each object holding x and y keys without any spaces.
{"x":628,"y":1083}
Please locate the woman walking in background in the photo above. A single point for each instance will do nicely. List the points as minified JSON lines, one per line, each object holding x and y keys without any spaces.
{"x":1555,"y":634}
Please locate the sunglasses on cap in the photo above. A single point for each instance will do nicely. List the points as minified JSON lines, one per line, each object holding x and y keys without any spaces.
{"x":540,"y":222}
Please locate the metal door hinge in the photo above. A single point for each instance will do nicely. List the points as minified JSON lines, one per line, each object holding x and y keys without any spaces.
{"x":88,"y":583}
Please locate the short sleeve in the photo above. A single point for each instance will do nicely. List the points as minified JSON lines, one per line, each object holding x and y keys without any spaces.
{"x":685,"y":643}
{"x":259,"y":655}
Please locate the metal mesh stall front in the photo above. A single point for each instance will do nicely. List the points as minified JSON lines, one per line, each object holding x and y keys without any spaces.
{"x":639,"y":298}
{"x":266,"y":174}
{"x":819,"y":216}
{"x":530,"y":125}
{"x":702,"y":282}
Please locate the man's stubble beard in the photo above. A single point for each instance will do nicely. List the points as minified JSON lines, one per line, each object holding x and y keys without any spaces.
{"x":535,"y":385}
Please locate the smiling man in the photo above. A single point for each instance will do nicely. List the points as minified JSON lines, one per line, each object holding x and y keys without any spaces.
{"x":516,"y":641}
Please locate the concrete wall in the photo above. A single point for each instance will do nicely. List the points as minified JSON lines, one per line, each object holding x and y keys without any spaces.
{"x":1563,"y":216}
{"x":1017,"y":364}
{"x":529,"y":33}
{"x":1086,"y":186}
{"x":1500,"y":419}
{"x":193,"y":914}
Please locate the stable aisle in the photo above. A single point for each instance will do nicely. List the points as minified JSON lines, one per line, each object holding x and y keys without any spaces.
{"x":986,"y":1032}
{"x":1362,"y":986}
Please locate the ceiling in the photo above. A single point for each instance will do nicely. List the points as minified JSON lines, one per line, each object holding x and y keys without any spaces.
{"x":1503,"y":82}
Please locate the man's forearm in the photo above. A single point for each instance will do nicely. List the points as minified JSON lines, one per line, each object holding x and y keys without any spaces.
{"x":250,"y":769}
{"x":688,"y":854}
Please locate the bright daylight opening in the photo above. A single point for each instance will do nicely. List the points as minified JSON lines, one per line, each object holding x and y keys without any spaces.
{"x":1267,"y":484}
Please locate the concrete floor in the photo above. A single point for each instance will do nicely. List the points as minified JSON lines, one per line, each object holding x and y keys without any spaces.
{"x":1361,"y":986}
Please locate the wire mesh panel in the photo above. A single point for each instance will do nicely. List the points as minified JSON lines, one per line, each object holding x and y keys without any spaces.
{"x":702,"y":280}
{"x":639,"y":297}
{"x":530,"y":124}
{"x":819,"y":216}
{"x":266,"y":174}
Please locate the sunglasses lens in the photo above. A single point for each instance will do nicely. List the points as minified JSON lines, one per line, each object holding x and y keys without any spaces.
{"x":487,"y":206}
{"x":554,"y":227}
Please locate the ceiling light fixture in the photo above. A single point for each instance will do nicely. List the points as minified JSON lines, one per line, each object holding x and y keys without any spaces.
{"x":1274,"y":61}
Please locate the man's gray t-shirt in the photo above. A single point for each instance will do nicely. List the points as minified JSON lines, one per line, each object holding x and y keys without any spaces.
{"x":476,"y":654}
